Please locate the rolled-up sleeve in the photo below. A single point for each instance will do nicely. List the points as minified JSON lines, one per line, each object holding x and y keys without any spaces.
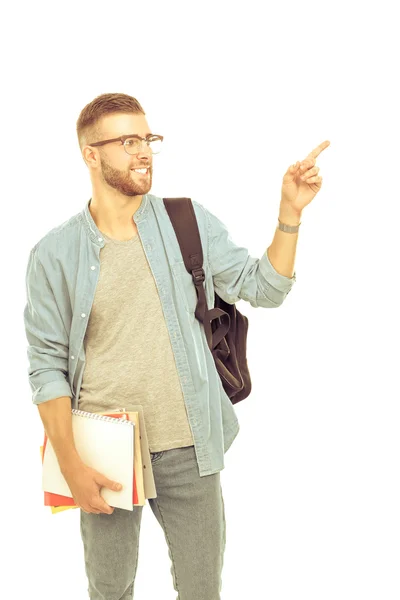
{"x":47,"y":337}
{"x":237,"y":275}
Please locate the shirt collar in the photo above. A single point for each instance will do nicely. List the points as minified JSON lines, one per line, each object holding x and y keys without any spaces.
{"x":93,"y":231}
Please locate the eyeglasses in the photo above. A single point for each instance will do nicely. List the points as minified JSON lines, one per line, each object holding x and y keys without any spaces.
{"x":132,"y":143}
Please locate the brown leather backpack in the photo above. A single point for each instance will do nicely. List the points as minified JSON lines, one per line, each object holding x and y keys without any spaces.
{"x":225,"y":327}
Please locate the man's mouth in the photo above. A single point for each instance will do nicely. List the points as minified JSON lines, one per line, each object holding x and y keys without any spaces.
{"x":141,"y":171}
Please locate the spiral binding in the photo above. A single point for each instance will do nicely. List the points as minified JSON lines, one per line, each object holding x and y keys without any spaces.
{"x":83,"y":413}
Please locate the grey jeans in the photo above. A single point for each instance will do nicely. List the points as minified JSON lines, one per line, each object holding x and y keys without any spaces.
{"x":190,"y":510}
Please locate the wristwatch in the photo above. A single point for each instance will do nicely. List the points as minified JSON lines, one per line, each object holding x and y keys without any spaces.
{"x":288,"y":228}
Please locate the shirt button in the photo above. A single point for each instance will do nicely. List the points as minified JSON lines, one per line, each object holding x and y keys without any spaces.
{"x":100,"y":239}
{"x":83,"y":315}
{"x":72,"y":357}
{"x":93,"y":267}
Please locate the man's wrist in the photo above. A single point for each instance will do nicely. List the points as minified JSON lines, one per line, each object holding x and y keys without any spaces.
{"x":289,"y":216}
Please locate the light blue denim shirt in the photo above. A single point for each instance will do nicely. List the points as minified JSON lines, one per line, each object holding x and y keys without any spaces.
{"x":61,"y":278}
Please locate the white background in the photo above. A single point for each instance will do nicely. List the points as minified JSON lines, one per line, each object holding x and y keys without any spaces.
{"x":311,"y":483}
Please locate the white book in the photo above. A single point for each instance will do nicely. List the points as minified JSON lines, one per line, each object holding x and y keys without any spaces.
{"x":104,"y":444}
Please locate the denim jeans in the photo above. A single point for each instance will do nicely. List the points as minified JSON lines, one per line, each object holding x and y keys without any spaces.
{"x":190,"y":510}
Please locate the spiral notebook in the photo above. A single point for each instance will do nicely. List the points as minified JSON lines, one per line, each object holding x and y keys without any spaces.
{"x":59,"y":503}
{"x":103,"y":443}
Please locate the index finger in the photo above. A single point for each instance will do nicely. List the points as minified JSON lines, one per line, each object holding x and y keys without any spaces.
{"x":317,"y":151}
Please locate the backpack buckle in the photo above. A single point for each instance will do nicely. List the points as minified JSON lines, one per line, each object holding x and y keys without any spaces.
{"x":198,"y":275}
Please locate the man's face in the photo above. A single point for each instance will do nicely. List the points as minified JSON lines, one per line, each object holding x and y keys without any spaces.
{"x":116,"y":165}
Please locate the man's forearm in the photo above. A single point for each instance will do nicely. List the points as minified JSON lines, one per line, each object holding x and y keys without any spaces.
{"x":56,"y":416}
{"x":282,"y":251}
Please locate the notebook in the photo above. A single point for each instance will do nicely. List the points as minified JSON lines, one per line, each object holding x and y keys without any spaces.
{"x":103,"y":443}
{"x":58,"y":503}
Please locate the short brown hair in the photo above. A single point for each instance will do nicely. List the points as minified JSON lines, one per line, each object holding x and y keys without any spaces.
{"x":87,"y":125}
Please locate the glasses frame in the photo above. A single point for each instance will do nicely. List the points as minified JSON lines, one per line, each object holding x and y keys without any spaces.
{"x":123,"y":139}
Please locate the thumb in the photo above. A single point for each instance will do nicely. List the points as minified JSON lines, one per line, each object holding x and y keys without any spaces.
{"x":108,"y":483}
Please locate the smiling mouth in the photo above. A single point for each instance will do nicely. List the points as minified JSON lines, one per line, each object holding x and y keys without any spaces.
{"x":141,"y":174}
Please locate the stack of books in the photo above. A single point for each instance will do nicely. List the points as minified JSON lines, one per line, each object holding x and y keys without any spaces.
{"x":113,"y":443}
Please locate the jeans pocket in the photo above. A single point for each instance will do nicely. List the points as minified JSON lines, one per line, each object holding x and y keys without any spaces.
{"x":155,"y":456}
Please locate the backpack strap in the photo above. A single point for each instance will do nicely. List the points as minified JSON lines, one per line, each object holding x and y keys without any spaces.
{"x":184,"y":222}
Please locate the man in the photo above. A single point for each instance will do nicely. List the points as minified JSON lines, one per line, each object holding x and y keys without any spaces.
{"x":110,"y":323}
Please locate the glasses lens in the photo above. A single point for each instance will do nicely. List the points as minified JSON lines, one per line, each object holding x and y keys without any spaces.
{"x":133,"y":145}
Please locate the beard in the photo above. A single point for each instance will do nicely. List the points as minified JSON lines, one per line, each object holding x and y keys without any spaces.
{"x":128,"y":182}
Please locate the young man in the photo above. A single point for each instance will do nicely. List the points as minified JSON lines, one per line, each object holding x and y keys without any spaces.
{"x":110,"y":323}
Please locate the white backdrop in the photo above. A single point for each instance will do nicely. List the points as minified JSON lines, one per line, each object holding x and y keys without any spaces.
{"x":319,"y":438}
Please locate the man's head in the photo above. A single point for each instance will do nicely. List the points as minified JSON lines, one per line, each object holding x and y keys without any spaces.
{"x":107,"y":117}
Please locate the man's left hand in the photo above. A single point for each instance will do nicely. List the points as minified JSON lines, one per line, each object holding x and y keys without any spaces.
{"x":301,"y":181}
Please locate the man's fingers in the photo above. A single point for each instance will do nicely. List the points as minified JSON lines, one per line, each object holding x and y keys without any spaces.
{"x":317,"y":151}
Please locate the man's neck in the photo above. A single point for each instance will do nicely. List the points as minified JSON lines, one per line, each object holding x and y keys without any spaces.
{"x":116,"y":222}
